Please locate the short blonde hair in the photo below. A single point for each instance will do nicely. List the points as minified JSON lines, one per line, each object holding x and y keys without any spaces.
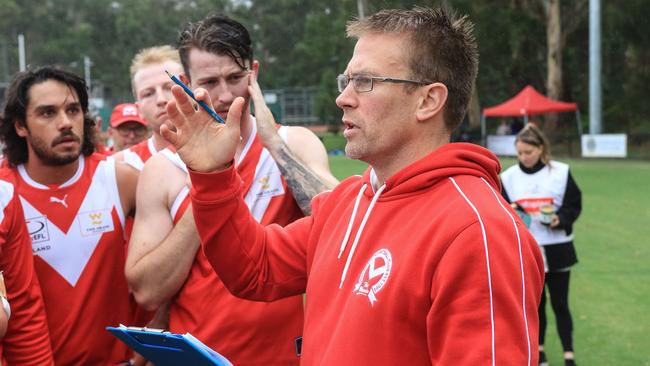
{"x":149,"y":56}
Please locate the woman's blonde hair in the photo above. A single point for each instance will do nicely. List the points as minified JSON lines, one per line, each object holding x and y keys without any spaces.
{"x":532,"y":135}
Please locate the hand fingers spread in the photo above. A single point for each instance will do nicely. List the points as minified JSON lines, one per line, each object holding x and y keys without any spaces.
{"x":183,"y":101}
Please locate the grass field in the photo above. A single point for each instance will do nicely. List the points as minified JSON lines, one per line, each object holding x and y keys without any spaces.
{"x":610,"y":286}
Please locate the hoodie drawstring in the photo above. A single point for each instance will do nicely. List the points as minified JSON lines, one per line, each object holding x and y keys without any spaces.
{"x":359,"y":231}
{"x":354,"y":213}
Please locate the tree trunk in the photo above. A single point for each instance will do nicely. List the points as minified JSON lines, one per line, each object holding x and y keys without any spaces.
{"x":553,"y":58}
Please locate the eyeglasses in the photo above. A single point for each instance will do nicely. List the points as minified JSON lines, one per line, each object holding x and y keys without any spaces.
{"x":364,"y":83}
{"x":138,"y":131}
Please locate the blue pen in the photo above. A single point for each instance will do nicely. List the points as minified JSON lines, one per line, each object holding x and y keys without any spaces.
{"x":201,"y":103}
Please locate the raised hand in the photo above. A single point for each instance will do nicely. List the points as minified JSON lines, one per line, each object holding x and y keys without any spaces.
{"x":203,"y":144}
{"x":264,"y":119}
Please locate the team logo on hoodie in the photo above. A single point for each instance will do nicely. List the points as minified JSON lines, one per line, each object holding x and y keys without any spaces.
{"x":374,"y":275}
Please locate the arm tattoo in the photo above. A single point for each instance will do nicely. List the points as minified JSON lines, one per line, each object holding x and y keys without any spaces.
{"x":304,"y":183}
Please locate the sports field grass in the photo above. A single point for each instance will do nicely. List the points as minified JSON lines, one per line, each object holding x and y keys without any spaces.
{"x":610,"y":286}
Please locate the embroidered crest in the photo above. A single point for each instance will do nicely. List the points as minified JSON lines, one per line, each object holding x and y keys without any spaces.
{"x":374,"y":275}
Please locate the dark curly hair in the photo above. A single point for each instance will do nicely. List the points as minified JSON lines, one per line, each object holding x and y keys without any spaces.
{"x":217,"y":34}
{"x":15,"y":110}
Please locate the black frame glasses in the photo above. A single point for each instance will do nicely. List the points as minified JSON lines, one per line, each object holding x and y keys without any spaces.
{"x":138,"y":130}
{"x":365,"y":83}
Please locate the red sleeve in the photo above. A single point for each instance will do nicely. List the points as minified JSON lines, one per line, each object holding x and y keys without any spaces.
{"x":27,"y":340}
{"x":480,"y":316}
{"x":253,"y":261}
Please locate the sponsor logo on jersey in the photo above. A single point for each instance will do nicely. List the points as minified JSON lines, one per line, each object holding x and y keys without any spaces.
{"x":374,"y":275}
{"x":264,"y":182}
{"x":59,"y":200}
{"x":95,"y":222}
{"x":269,"y":186}
{"x":37,"y":228}
{"x":532,"y":206}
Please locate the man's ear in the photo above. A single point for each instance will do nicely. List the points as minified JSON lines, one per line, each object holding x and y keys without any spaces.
{"x":255,"y":67}
{"x":184,"y":79}
{"x":20,"y":129}
{"x":433,"y":101}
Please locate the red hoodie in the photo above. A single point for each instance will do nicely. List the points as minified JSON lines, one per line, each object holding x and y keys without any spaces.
{"x":434,"y":267}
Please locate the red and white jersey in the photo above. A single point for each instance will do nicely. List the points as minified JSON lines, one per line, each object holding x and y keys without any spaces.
{"x":138,"y":154}
{"x":27,"y":340}
{"x":79,"y":255}
{"x":246,"y":332}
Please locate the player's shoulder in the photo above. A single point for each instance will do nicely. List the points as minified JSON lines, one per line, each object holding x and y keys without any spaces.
{"x":7,"y":173}
{"x":304,"y":141}
{"x":159,"y":162}
{"x":118,"y":156}
{"x":162,"y":172}
{"x":299,"y":131}
{"x":7,"y":188}
{"x":6,"y":191}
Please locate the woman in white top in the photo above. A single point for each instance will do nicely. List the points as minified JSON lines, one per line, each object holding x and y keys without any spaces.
{"x":546,"y":191}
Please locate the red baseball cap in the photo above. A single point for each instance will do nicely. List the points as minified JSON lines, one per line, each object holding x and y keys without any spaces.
{"x":126,"y":112}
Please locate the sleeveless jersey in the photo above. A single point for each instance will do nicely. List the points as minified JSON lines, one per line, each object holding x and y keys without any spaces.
{"x":138,"y":154}
{"x":246,"y":332}
{"x":532,"y":191}
{"x":79,"y":255}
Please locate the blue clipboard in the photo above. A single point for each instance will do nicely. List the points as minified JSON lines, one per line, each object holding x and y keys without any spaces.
{"x":168,"y":349}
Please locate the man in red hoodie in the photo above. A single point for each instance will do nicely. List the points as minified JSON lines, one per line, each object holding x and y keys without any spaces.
{"x":418,"y":262}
